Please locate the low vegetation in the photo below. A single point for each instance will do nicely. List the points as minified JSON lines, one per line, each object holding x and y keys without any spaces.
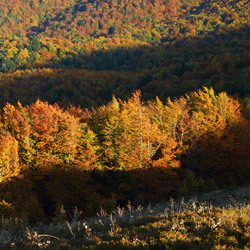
{"x":218,"y":220}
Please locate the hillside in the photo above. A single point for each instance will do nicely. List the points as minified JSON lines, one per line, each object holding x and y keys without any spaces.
{"x":152,"y":21}
{"x":126,"y":150}
{"x":83,"y":52}
{"x":194,"y":223}
{"x":106,"y":101}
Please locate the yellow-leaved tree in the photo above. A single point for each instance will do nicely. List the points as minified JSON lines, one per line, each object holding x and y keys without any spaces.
{"x":9,"y":160}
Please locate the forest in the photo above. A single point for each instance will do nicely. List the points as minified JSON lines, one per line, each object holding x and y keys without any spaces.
{"x":109,"y":101}
{"x":125,"y":150}
{"x":83,"y":52}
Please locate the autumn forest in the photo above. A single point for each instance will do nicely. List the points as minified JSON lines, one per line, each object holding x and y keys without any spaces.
{"x":109,"y":101}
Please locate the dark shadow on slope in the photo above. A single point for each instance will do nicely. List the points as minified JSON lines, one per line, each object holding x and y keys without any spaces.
{"x":43,"y":194}
{"x":53,"y":196}
{"x":219,"y":161}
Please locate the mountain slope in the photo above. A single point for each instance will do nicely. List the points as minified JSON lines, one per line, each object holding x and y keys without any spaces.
{"x":165,"y":48}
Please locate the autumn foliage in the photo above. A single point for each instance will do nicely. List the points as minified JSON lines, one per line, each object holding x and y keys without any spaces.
{"x":112,"y":147}
{"x":123,"y":150}
{"x":82,"y":52}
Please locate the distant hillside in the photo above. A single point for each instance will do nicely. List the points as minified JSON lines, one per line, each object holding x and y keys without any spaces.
{"x":83,"y":52}
{"x":146,"y":20}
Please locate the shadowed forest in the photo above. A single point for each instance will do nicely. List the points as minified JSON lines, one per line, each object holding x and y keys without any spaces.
{"x":105,"y":102}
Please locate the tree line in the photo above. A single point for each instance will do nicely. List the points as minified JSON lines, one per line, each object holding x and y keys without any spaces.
{"x":200,"y":140}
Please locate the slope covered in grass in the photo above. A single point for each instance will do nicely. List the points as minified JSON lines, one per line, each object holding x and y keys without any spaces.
{"x":218,"y":220}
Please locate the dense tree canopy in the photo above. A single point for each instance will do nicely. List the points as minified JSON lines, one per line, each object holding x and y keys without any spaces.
{"x":164,"y":48}
{"x":125,"y":147}
{"x":80,"y":123}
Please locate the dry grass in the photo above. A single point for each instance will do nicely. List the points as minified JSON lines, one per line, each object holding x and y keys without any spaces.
{"x":218,"y":220}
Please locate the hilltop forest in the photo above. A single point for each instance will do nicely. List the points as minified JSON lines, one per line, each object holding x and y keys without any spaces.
{"x":105,"y":101}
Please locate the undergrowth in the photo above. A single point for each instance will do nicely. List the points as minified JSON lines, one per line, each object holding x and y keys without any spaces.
{"x":219,"y":220}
